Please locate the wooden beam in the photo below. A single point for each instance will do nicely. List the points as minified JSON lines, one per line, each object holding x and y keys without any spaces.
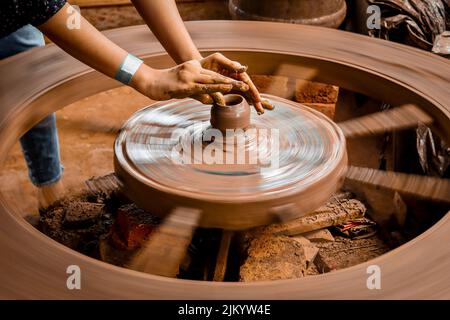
{"x":222,"y":256}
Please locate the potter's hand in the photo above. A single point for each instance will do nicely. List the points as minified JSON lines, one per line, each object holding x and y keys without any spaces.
{"x":221,"y":64}
{"x":184,"y":80}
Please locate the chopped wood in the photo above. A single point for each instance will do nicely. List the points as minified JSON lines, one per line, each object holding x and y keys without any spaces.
{"x":333,"y":213}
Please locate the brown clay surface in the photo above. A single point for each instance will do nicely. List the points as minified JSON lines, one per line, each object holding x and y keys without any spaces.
{"x":87,"y":130}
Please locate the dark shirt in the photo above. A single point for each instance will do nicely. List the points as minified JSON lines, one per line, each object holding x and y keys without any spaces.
{"x":14,"y":14}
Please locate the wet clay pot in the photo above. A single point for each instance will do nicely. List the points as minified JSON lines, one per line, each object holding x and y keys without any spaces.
{"x":235,"y":114}
{"x":325,"y":13}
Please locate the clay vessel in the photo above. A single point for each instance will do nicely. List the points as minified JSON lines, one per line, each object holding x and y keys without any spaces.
{"x":325,"y":13}
{"x":235,"y":114}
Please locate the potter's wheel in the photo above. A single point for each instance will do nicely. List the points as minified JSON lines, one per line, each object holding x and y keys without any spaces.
{"x":404,"y":75}
{"x":293,"y":159}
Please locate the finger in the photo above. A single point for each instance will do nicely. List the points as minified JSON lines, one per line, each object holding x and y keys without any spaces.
{"x":213,"y":77}
{"x":228,"y":64}
{"x":218,"y":98}
{"x":203,"y":98}
{"x":257,"y":105}
{"x":253,"y":91}
{"x":267,"y":105}
{"x":211,"y":88}
{"x":259,"y":108}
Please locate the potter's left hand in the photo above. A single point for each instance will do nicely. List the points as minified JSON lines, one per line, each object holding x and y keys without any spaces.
{"x":221,"y":64}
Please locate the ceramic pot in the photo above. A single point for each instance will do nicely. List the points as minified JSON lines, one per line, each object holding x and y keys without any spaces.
{"x":235,"y":114}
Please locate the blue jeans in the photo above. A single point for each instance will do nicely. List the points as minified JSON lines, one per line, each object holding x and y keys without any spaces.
{"x":40,"y":144}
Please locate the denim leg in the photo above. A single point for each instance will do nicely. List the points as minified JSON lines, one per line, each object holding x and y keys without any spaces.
{"x":41,"y":150}
{"x":25,"y":38}
{"x":40,"y":144}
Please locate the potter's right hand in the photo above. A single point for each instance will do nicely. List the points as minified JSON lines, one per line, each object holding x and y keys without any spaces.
{"x":184,"y":80}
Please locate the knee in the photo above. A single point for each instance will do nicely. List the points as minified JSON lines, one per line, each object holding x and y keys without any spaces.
{"x":30,"y":36}
{"x":48,"y":122}
{"x":24,"y":39}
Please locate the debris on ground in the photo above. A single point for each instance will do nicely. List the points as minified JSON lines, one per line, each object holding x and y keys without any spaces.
{"x":107,"y":226}
{"x":357,"y":228}
{"x":344,"y":253}
{"x":273,"y":258}
{"x":78,"y":222}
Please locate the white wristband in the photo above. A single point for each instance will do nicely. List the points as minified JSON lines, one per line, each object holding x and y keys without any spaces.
{"x":128,"y":68}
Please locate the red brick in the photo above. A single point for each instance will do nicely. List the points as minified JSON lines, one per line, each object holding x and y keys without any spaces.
{"x":132,"y":227}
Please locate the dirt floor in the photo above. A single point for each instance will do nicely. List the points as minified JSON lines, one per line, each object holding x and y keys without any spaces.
{"x":107,"y":226}
{"x":87,"y":130}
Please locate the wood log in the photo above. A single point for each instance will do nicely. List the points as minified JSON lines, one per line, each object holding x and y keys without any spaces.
{"x":333,"y":213}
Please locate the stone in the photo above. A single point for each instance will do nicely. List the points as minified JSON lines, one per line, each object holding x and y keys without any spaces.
{"x":322,"y":235}
{"x":309,"y":249}
{"x":275,"y":85}
{"x":273,"y":258}
{"x":312,"y":270}
{"x":315,"y":92}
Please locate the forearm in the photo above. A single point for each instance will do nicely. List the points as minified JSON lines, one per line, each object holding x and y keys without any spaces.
{"x":90,"y":46}
{"x":86,"y":43}
{"x":164,"y":20}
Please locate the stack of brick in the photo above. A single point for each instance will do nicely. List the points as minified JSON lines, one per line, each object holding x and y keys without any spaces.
{"x":319,"y":96}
